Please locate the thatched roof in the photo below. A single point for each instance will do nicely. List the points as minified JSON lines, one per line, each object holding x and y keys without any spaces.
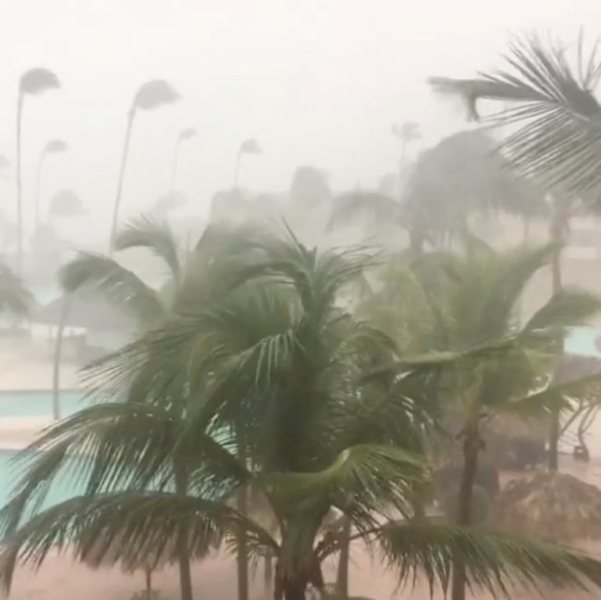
{"x":555,"y":506}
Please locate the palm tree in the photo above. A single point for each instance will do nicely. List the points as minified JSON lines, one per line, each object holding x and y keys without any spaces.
{"x":449,"y":183}
{"x":52,"y":147}
{"x":150,"y":96}
{"x":184,"y":135}
{"x":250,"y":146}
{"x":120,"y":286}
{"x":555,"y":141}
{"x":32,"y":83}
{"x":406,"y":133}
{"x":191,"y":279}
{"x":279,"y":362}
{"x":477,"y":305}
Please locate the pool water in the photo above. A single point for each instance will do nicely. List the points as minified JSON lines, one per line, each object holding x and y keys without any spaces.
{"x":10,"y":472}
{"x":38,"y":403}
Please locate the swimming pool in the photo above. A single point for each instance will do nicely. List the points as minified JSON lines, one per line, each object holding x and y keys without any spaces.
{"x":10,"y":473}
{"x":38,"y":403}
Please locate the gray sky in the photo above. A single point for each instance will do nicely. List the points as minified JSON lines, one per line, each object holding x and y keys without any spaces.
{"x":315,"y":81}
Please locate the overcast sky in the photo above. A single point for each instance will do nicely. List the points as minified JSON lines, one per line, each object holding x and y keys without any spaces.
{"x":315,"y":81}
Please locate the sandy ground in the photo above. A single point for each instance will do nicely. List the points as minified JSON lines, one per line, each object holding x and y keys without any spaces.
{"x":27,"y":365}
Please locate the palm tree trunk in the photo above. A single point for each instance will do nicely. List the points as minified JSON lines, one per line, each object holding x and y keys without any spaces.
{"x":58,"y":347}
{"x":242,"y":506}
{"x":126,"y":143}
{"x":183,"y":556}
{"x":343,"y":560}
{"x":148,"y":580}
{"x":557,"y":228}
{"x":268,"y":572}
{"x":471,"y":447}
{"x":19,"y":189}
{"x":38,"y":182}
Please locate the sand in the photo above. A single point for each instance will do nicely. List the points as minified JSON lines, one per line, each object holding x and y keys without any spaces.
{"x":27,"y":365}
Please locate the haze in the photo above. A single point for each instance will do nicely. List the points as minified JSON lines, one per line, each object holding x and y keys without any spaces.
{"x":316,"y":82}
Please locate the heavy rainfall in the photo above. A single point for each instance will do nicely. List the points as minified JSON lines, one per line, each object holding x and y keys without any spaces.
{"x":300,"y":300}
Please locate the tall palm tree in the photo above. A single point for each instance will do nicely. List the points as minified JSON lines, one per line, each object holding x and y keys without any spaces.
{"x":32,"y":83}
{"x":477,"y":305}
{"x":279,"y":362}
{"x":250,"y":146}
{"x":150,"y":96}
{"x":192,"y":278}
{"x":184,"y":135}
{"x":555,"y":140}
{"x":458,"y":178}
{"x":52,"y":147}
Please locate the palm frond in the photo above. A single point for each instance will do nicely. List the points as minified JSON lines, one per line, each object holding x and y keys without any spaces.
{"x":558,"y":119}
{"x":557,"y":396}
{"x":140,"y":523}
{"x":568,"y":308}
{"x":362,"y":479}
{"x":118,"y":285}
{"x":154,"y":235}
{"x":494,"y":562}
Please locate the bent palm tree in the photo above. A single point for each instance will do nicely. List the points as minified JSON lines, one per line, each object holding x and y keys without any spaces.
{"x":476,"y":305}
{"x":278,"y":362}
{"x":150,"y":96}
{"x":556,"y":138}
{"x":458,"y":178}
{"x":52,"y":147}
{"x":32,"y":83}
{"x":185,"y":135}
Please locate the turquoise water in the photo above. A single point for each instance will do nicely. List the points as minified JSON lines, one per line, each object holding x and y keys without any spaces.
{"x":583,"y":341}
{"x":37,"y":404}
{"x":61,"y":489}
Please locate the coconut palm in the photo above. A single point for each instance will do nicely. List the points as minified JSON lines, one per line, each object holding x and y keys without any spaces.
{"x":249,"y":146}
{"x":278,"y":362}
{"x":32,"y":83}
{"x":554,"y":116}
{"x":406,"y":133}
{"x":120,"y":286}
{"x":458,"y":178}
{"x":150,"y":96}
{"x":184,"y":135}
{"x":475,"y":305}
{"x":52,"y":147}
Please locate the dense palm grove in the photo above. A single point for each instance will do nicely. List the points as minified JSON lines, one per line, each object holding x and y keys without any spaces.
{"x":282,"y":402}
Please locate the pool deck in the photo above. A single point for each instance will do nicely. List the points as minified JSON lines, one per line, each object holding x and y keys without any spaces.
{"x":26,"y":364}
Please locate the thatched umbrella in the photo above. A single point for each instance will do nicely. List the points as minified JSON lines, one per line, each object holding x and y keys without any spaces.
{"x":555,"y":506}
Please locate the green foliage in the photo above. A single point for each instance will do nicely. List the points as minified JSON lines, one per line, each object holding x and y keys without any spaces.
{"x":258,"y":380}
{"x":551,"y":101}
